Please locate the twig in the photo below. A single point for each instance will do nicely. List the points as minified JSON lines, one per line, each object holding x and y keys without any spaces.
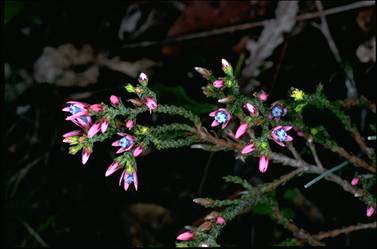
{"x":324,"y":28}
{"x":35,"y":234}
{"x":247,"y":26}
{"x":336,"y":232}
{"x":282,"y":180}
{"x":293,"y":150}
{"x":314,"y":153}
{"x":296,"y":231}
{"x":355,"y":160}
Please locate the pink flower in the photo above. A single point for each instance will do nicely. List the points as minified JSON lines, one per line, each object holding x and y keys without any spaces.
{"x":263,"y":163}
{"x":279,"y":134}
{"x":150,"y":103}
{"x":252,"y":109}
{"x":248,"y":148}
{"x":112,"y":168}
{"x":138,"y":151}
{"x":355,"y":181}
{"x":104,"y":125}
{"x":94,"y":129}
{"x":370,"y":211}
{"x":220,"y":220}
{"x":85,"y":122}
{"x":96,"y":107}
{"x":263,"y":96}
{"x":85,"y":155}
{"x":130,"y":123}
{"x":72,"y":133}
{"x":218,"y":83}
{"x":185,"y":236}
{"x":241,"y":130}
{"x":125,"y":143}
{"x":221,"y":116}
{"x":127,"y":178}
{"x":143,"y":78}
{"x":114,"y":100}
{"x":77,"y":109}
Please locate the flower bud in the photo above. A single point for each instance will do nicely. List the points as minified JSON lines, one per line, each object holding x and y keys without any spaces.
{"x":355,"y":181}
{"x":204,"y":72}
{"x":114,"y":100}
{"x":218,"y":83}
{"x":143,"y":79}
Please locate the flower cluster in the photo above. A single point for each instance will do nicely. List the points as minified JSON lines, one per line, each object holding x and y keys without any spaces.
{"x":99,"y":119}
{"x":225,"y":89}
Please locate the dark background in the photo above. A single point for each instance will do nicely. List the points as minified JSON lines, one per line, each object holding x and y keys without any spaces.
{"x":51,"y":199}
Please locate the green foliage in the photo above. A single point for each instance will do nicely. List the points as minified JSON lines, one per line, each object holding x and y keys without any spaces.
{"x":289,"y":242}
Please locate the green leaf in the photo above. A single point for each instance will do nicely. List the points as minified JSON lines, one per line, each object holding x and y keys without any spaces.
{"x":181,"y":98}
{"x":290,"y":194}
{"x":288,"y":213}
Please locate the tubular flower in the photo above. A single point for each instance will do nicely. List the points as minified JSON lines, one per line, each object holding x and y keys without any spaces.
{"x":279,"y":134}
{"x":104,"y":125}
{"x":71,"y":134}
{"x":96,"y":107}
{"x":370,"y":211}
{"x":138,"y":151}
{"x":115,"y":166}
{"x":77,"y":109}
{"x":355,"y":181}
{"x":248,"y":148}
{"x":221,"y":116}
{"x":150,"y":103}
{"x":125,"y":143}
{"x":94,"y":129}
{"x":114,"y":100}
{"x":218,"y":83}
{"x":263,"y":163}
{"x":241,"y":130}
{"x":85,"y":155}
{"x":127,"y":178}
{"x":262,"y":96}
{"x":252,"y":109}
{"x":130,"y":124}
{"x":277,"y":111}
{"x":185,"y":236}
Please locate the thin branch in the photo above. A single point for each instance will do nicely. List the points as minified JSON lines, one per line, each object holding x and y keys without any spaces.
{"x":282,"y":180}
{"x":314,"y":153}
{"x":247,"y":26}
{"x":336,"y":232}
{"x":293,"y":150}
{"x":355,"y":160}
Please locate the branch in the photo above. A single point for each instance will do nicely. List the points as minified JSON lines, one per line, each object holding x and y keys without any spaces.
{"x":336,"y":232}
{"x":247,"y":26}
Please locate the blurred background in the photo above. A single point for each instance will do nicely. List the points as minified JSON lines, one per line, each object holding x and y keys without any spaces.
{"x":59,"y":51}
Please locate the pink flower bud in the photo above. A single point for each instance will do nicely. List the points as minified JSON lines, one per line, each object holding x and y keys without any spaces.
{"x":185,"y":236}
{"x":85,"y":155}
{"x":355,"y":181}
{"x":138,"y":151}
{"x":241,"y":130}
{"x":114,"y":100}
{"x":143,"y":77}
{"x":248,"y":148}
{"x":112,"y":168}
{"x":218,"y":83}
{"x":93,"y":130}
{"x":150,"y":103}
{"x":252,"y":109}
{"x":96,"y":107}
{"x":104,"y":125}
{"x":220,"y":220}
{"x":263,"y":163}
{"x":370,"y":211}
{"x":263,"y":96}
{"x":130,"y":124}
